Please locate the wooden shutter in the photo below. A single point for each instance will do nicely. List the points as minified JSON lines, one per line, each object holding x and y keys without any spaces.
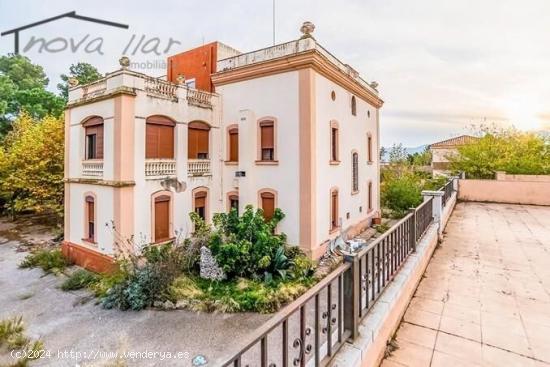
{"x":369,"y":143}
{"x":166,"y":142}
{"x":151,"y":141}
{"x":99,"y":141}
{"x":267,"y":138}
{"x":334,"y":144}
{"x":200,"y":199}
{"x":162,"y":218}
{"x":197,"y":139}
{"x":234,"y":145}
{"x":202,"y":143}
{"x":159,"y":137}
{"x":334,"y":210}
{"x":268,"y":205}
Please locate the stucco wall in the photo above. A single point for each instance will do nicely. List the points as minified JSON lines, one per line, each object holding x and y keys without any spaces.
{"x":512,"y":192}
{"x":353,"y":132}
{"x":244,"y":103}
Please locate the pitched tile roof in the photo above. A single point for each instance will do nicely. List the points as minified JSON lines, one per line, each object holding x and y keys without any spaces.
{"x":453,"y":142}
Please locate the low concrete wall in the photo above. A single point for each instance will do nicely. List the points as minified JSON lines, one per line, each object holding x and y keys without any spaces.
{"x":384,"y":317}
{"x":514,"y":189}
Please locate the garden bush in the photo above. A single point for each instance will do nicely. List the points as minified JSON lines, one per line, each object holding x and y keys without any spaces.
{"x":51,"y":261}
{"x":400,"y":194}
{"x":79,"y":279}
{"x":12,"y":337}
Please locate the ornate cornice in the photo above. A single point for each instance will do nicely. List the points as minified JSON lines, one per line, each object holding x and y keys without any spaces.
{"x":308,"y":59}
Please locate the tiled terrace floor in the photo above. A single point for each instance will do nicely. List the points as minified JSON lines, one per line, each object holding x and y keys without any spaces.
{"x":485,"y":297}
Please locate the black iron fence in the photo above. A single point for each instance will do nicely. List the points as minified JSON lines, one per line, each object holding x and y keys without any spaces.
{"x":311,"y":329}
{"x":447,"y":193}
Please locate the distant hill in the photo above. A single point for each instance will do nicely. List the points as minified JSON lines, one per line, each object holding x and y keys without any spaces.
{"x":410,"y":150}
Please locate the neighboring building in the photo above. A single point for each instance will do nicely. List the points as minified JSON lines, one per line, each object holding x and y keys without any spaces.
{"x":288,"y":126}
{"x":443,"y":150}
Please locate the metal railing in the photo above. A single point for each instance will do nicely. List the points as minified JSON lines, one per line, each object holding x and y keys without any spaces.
{"x":92,"y":168}
{"x":311,"y":329}
{"x":198,"y":167}
{"x":447,"y":192}
{"x":423,"y":217}
{"x":380,"y":261}
{"x":160,"y":167}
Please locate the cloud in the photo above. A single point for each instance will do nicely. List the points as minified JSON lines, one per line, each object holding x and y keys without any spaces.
{"x":440,"y":64}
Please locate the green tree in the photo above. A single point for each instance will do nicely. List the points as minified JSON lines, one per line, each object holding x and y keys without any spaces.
{"x":83,"y":72}
{"x":508,"y":150}
{"x":31,"y":166}
{"x":423,"y":158}
{"x":23,"y":87}
{"x":397,"y":154}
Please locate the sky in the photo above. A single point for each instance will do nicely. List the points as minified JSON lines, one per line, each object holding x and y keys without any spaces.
{"x":442,"y":65}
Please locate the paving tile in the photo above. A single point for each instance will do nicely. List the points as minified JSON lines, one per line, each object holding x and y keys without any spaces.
{"x":500,"y":358}
{"x":462,"y":328}
{"x":417,"y":335}
{"x":458,"y":347}
{"x":501,"y":337}
{"x":465,"y":313}
{"x":426,"y":304}
{"x":411,"y":354}
{"x":423,"y":318}
{"x":445,"y":360}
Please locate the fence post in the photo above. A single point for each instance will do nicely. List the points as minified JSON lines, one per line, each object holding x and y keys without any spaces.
{"x":437,"y":209}
{"x":352,"y":284}
{"x":412,"y":231}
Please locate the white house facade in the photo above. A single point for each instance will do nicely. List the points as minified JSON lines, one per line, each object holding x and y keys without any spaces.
{"x":288,"y":126}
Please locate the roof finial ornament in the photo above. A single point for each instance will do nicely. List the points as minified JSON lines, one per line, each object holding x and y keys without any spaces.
{"x":73,"y":82}
{"x":307,"y":28}
{"x":180,"y":79}
{"x":124,"y":61}
{"x":374,"y":85}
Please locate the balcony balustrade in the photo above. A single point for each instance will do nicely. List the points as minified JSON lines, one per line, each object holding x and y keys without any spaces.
{"x":160,"y":168}
{"x":198,"y":167}
{"x":92,"y":168}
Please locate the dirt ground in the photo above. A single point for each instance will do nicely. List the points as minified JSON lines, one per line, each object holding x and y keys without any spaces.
{"x":77,"y":334}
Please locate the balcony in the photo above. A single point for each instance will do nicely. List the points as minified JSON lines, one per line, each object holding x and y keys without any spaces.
{"x":92,"y":168}
{"x":160,"y":168}
{"x":161,"y":89}
{"x":198,"y":167}
{"x":199,"y":98}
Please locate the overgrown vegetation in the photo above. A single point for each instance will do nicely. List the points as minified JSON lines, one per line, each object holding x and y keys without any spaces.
{"x":401,"y":188}
{"x":49,"y":260}
{"x":12,"y":338}
{"x":262,"y":271}
{"x":498,"y":149}
{"x":80,"y":279}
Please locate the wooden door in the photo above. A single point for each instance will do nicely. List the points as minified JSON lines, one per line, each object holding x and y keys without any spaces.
{"x":162,"y":218}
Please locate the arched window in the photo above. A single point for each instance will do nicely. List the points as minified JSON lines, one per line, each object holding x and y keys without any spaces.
{"x":200,"y":202}
{"x":198,"y":140}
{"x":90,"y":218}
{"x":369,"y":148}
{"x":334,"y":209}
{"x":267,"y":203}
{"x":355,"y":172}
{"x":94,"y":138}
{"x":159,"y":137}
{"x":233,"y":201}
{"x":233,"y":142}
{"x":353,"y":106}
{"x":334,"y":142}
{"x":267,"y":150}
